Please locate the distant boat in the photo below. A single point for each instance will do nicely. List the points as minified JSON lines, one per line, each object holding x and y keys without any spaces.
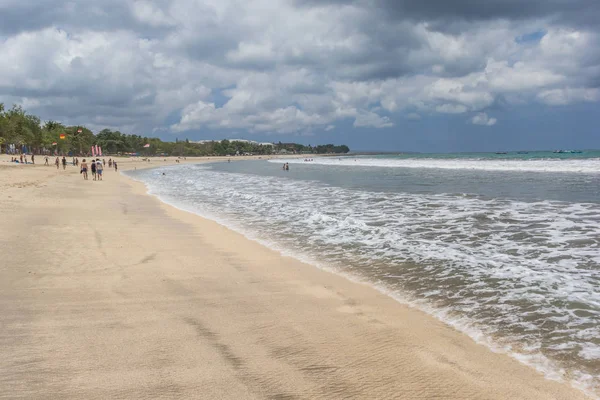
{"x":568,"y":151}
{"x":501,"y":152}
{"x":522,"y":152}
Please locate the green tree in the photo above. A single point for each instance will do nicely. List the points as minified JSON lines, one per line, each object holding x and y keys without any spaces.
{"x":20,"y":128}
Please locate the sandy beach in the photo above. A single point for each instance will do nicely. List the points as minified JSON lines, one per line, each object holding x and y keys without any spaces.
{"x":105,"y":292}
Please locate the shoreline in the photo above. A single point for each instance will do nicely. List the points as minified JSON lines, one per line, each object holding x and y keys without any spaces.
{"x":306,"y":331}
{"x":129,"y":162}
{"x":538,"y":362}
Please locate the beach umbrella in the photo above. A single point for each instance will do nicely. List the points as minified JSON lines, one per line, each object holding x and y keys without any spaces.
{"x":62,"y":136}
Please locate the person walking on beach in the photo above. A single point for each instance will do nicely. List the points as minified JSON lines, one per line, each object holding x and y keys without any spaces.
{"x":93,"y":168}
{"x":33,"y":158}
{"x":64,"y":162}
{"x":115,"y":164}
{"x":21,"y":159}
{"x":57,"y":162}
{"x":84,"y":168}
{"x":47,"y":163}
{"x":99,"y":168}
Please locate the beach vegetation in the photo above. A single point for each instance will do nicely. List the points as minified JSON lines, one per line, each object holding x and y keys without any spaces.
{"x":26,"y":132}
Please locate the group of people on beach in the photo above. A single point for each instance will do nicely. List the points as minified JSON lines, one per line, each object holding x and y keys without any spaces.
{"x":96,"y":168}
{"x":58,"y":162}
{"x":22,"y":159}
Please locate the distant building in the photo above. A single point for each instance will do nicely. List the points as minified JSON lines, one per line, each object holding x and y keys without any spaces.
{"x":232,"y":140}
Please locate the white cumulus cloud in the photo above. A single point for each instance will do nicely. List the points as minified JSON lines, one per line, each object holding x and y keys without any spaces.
{"x":483,"y":119}
{"x":291,"y":66}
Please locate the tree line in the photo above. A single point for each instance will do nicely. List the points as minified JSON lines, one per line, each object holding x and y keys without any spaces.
{"x":26,"y":133}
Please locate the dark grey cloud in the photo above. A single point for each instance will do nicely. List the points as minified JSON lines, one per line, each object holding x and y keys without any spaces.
{"x":476,"y":10}
{"x":570,"y":12}
{"x":16,"y":17}
{"x":298,"y":64}
{"x":30,"y":16}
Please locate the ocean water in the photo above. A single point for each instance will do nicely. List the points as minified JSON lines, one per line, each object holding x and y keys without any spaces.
{"x":505,"y":248}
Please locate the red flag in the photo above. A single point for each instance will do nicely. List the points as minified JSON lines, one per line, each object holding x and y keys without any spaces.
{"x":79,"y":130}
{"x":147,"y":145}
{"x":62,"y":136}
{"x":54,"y":143}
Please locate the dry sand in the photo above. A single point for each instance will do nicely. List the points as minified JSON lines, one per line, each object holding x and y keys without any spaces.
{"x":105,"y":292}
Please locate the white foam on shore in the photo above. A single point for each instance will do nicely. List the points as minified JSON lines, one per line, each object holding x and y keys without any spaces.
{"x":451,"y":237}
{"x":584,"y":166}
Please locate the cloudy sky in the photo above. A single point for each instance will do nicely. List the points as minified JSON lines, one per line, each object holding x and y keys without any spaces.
{"x":421,"y":75}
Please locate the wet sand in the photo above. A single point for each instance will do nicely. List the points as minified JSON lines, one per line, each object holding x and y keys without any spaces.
{"x":105,"y":292}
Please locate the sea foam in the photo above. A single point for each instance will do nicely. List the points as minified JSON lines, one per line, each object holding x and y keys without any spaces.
{"x":521,"y":277}
{"x":585,"y":166}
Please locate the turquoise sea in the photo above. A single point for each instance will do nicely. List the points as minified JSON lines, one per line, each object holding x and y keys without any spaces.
{"x":511,"y":155}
